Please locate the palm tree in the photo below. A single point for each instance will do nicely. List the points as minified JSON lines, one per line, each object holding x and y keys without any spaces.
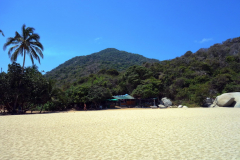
{"x":1,"y":32}
{"x":27,"y":43}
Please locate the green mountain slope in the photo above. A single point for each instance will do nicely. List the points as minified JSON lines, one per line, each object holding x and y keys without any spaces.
{"x":81,"y":66}
{"x":186,"y":80}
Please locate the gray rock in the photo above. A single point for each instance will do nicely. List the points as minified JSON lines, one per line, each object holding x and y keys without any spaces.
{"x":153,"y":107}
{"x":214,"y":105}
{"x":180,"y":106}
{"x":161,"y":106}
{"x":166,"y":102}
{"x":208,"y":102}
{"x":227,"y":100}
{"x":207,"y":105}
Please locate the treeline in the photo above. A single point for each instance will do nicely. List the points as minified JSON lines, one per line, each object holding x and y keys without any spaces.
{"x":186,"y":80}
{"x":28,"y":90}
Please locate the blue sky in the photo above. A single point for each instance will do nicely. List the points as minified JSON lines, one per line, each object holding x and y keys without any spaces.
{"x":160,"y":29}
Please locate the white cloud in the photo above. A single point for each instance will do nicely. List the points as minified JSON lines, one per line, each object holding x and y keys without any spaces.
{"x":98,"y":38}
{"x":204,"y":40}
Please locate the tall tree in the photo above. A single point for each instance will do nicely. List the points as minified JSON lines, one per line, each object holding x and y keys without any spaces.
{"x":27,"y":43}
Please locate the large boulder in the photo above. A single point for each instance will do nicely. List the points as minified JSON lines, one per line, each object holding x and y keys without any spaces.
{"x":227,"y":100}
{"x":166,"y":102}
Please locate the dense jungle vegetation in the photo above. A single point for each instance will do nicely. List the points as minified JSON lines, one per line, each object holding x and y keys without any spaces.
{"x":188,"y":79}
{"x":92,"y":79}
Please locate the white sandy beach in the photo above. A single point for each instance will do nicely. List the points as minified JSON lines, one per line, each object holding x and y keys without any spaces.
{"x":193,"y":133}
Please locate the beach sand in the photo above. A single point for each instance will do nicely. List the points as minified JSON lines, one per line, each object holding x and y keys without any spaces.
{"x":193,"y":133}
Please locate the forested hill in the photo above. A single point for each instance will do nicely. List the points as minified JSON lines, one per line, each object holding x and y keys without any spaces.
{"x":109,"y":58}
{"x":189,"y":78}
{"x":186,"y":80}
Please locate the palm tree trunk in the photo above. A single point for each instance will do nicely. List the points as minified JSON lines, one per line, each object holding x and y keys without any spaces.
{"x":23,"y":60}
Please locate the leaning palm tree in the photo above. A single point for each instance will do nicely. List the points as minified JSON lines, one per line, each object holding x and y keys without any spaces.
{"x":27,"y":43}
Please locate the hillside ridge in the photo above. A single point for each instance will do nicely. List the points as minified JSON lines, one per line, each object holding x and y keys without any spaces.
{"x":109,"y":58}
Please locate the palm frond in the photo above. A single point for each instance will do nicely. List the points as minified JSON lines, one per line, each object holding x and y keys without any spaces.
{"x":10,"y":41}
{"x":29,"y":30}
{"x":15,"y":54}
{"x":26,"y":32}
{"x":39,"y":51}
{"x":23,"y":31}
{"x":17,"y":35}
{"x":33,"y":37}
{"x":34,"y":54}
{"x":21,"y":52}
{"x":31,"y":57}
{"x":27,"y":49}
{"x":11,"y":49}
{"x":38,"y":44}
{"x":2,"y":33}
